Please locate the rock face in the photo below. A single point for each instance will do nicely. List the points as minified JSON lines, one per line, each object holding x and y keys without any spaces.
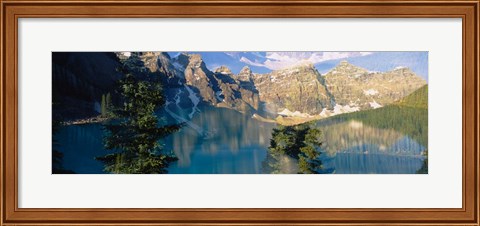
{"x":356,"y":87}
{"x":235,"y":93}
{"x":195,"y":81}
{"x":198,"y":76}
{"x":299,"y":88}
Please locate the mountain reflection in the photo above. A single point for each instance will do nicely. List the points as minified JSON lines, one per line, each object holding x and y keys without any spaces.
{"x":219,"y":135}
{"x":356,"y":137}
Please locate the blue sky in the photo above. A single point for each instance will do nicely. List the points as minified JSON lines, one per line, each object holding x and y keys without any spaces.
{"x":264,"y":62}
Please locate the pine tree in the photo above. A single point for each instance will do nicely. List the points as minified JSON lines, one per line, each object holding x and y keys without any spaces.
{"x":103,"y":106}
{"x":108,"y":105}
{"x":134,"y":134}
{"x":108,"y":102}
{"x":308,"y":157}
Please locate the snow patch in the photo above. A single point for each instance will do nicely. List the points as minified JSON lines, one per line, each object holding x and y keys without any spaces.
{"x":339,"y":109}
{"x":325,"y":113}
{"x":375,"y":105}
{"x":196,"y":76}
{"x":195,"y":100}
{"x":177,"y":97}
{"x":370,"y":92}
{"x":218,"y":93}
{"x":273,"y":78}
{"x":287,"y":112}
{"x":180,"y":119}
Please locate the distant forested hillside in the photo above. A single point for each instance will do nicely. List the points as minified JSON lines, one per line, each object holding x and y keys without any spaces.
{"x":409,"y":115}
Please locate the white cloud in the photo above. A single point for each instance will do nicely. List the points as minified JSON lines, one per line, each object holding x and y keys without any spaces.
{"x":232,"y":54}
{"x":280,"y":60}
{"x":247,"y":61}
{"x":213,"y":67}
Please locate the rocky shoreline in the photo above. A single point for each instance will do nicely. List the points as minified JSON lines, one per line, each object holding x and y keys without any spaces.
{"x":96,"y":119}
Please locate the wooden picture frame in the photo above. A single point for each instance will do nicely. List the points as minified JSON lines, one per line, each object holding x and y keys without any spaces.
{"x":12,"y":10}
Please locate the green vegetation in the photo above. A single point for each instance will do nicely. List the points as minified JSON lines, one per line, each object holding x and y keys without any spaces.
{"x":292,"y":144}
{"x":417,"y":99}
{"x":424,"y":168}
{"x":409,"y":116}
{"x":408,"y":120}
{"x":106,"y":105}
{"x":133,"y":134}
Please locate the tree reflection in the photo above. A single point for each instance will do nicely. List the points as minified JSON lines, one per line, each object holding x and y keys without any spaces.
{"x":294,"y":149}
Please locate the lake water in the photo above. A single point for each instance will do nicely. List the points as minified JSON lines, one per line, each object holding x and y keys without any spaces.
{"x":223,"y":141}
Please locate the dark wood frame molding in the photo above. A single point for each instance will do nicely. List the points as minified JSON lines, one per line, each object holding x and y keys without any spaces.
{"x":11,"y":10}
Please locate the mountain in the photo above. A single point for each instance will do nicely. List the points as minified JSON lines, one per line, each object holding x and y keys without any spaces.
{"x":417,"y":61}
{"x":408,"y":115}
{"x":296,"y":92}
{"x":358,"y":88}
{"x":237,"y":92}
{"x":299,"y":91}
{"x":300,"y":88}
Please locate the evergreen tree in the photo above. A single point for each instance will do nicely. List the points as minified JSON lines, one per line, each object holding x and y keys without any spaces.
{"x":108,"y":103}
{"x":292,"y":144}
{"x":134,"y":133}
{"x":103,"y":106}
{"x":424,"y":168}
{"x":308,"y":157}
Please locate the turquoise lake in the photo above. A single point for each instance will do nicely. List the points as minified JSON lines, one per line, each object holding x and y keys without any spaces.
{"x":223,"y":141}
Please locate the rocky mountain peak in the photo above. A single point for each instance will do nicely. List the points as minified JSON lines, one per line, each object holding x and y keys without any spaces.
{"x":182,"y":60}
{"x":195,"y":60}
{"x":405,"y":71}
{"x":246,"y":70}
{"x":344,"y":63}
{"x":344,"y":67}
{"x":301,"y":68}
{"x":224,"y":70}
{"x":191,"y":60}
{"x":305,"y":64}
{"x":245,"y":74}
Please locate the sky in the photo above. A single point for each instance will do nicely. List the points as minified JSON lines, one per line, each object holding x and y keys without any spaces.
{"x":264,"y":62}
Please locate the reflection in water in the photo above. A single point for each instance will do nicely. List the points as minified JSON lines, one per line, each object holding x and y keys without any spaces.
{"x":353,"y":163}
{"x":354,"y":137}
{"x":354,"y":147}
{"x":229,"y":142}
{"x":225,"y":141}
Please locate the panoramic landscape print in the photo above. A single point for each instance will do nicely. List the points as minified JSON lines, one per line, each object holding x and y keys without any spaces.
{"x":240,"y":112}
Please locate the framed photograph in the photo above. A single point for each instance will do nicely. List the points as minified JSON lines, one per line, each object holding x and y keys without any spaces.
{"x":239,"y":112}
